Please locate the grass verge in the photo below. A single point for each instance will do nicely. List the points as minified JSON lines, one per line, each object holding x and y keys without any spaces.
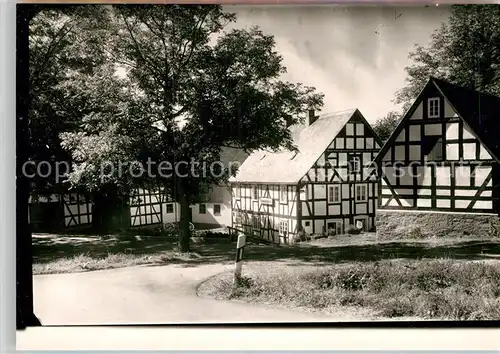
{"x":429,"y":289}
{"x":84,"y":262}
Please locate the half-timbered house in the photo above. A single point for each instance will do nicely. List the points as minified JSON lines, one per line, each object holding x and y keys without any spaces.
{"x":326,"y":185}
{"x":439,"y":168}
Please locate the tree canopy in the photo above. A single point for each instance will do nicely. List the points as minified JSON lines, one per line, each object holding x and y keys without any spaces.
{"x":464,"y":51}
{"x":66,"y":64}
{"x":186,"y":88}
{"x":385,"y":126}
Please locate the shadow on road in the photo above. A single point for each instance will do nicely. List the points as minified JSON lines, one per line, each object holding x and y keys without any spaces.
{"x":47,"y":248}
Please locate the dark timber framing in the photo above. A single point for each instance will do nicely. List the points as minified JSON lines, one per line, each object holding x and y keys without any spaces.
{"x":307,"y":203}
{"x":453,"y":168}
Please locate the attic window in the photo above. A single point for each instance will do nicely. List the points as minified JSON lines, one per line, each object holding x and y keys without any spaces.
{"x":433,"y":107}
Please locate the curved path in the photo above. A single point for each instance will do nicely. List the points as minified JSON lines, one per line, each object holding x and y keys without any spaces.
{"x":145,"y":295}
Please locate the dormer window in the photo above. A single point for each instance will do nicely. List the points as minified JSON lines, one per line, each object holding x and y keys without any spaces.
{"x":433,"y":107}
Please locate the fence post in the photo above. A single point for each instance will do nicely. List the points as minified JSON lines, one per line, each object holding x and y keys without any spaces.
{"x":239,"y":258}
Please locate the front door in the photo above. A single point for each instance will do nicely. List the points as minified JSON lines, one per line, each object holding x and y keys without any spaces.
{"x":332,"y":228}
{"x":361,"y":222}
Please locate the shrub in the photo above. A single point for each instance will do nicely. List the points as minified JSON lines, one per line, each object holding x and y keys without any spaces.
{"x":397,"y":307}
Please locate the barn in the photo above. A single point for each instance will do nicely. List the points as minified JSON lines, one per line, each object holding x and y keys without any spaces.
{"x":150,"y":207}
{"x":328,"y":184}
{"x":439,"y":170}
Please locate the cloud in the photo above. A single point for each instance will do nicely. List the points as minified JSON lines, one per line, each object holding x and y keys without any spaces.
{"x":355,"y":55}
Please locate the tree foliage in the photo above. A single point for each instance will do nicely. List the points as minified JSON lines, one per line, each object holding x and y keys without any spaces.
{"x":465,"y":51}
{"x":386,"y":125}
{"x":66,"y":59}
{"x":191,"y":89}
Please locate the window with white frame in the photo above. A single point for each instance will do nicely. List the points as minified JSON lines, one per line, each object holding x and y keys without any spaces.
{"x":433,"y":107}
{"x":217,"y":209}
{"x":333,"y":194}
{"x":237,"y":192}
{"x":256,"y":192}
{"x":361,"y":193}
{"x":283,"y":194}
{"x":283,"y":227}
{"x":355,"y":163}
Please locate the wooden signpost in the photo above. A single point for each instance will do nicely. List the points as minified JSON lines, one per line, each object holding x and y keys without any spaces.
{"x":240,"y":245}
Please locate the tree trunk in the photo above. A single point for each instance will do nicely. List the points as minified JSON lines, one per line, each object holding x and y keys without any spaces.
{"x":24,"y":258}
{"x":185,"y":232}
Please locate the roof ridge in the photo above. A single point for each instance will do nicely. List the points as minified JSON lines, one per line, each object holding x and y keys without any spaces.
{"x":463,"y":88}
{"x":337,"y":113}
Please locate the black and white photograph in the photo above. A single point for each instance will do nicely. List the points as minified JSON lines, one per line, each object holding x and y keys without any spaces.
{"x":223,"y":164}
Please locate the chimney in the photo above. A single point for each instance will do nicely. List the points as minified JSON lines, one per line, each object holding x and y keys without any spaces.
{"x":312,"y":117}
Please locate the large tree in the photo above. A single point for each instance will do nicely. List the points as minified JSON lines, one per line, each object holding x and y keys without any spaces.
{"x":52,"y":42}
{"x":464,"y":51}
{"x":193,"y":90}
{"x":66,"y":45}
{"x":71,"y":79}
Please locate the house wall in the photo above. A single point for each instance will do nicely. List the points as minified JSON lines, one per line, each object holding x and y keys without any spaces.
{"x":54,"y":212}
{"x":419,"y":173}
{"x":146,"y":207}
{"x":220,"y":196}
{"x":155,"y":209}
{"x":261,"y":214}
{"x":318,"y":214}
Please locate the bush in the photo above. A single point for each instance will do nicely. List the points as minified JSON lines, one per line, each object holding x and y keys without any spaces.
{"x":153,"y":231}
{"x":352,"y":230}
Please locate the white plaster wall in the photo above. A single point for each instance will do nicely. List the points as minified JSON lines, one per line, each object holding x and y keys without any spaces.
{"x":417,"y":114}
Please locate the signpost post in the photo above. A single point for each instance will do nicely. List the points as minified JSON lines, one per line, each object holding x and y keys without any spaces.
{"x":240,"y":245}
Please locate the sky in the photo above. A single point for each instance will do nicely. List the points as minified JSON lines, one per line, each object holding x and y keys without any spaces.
{"x":354,"y":55}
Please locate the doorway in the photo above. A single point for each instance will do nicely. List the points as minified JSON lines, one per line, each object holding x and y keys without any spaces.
{"x":361,"y":221}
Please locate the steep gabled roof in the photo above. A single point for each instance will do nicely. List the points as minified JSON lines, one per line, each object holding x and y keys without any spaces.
{"x":290,"y":167}
{"x":480,"y":112}
{"x":229,"y":155}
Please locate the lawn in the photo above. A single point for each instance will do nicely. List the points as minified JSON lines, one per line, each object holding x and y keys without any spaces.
{"x":73,"y":253}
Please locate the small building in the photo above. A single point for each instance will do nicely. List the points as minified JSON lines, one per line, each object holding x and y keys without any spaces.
{"x":150,"y":207}
{"x":328,"y":184}
{"x":439,"y":168}
{"x":55,"y":212}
